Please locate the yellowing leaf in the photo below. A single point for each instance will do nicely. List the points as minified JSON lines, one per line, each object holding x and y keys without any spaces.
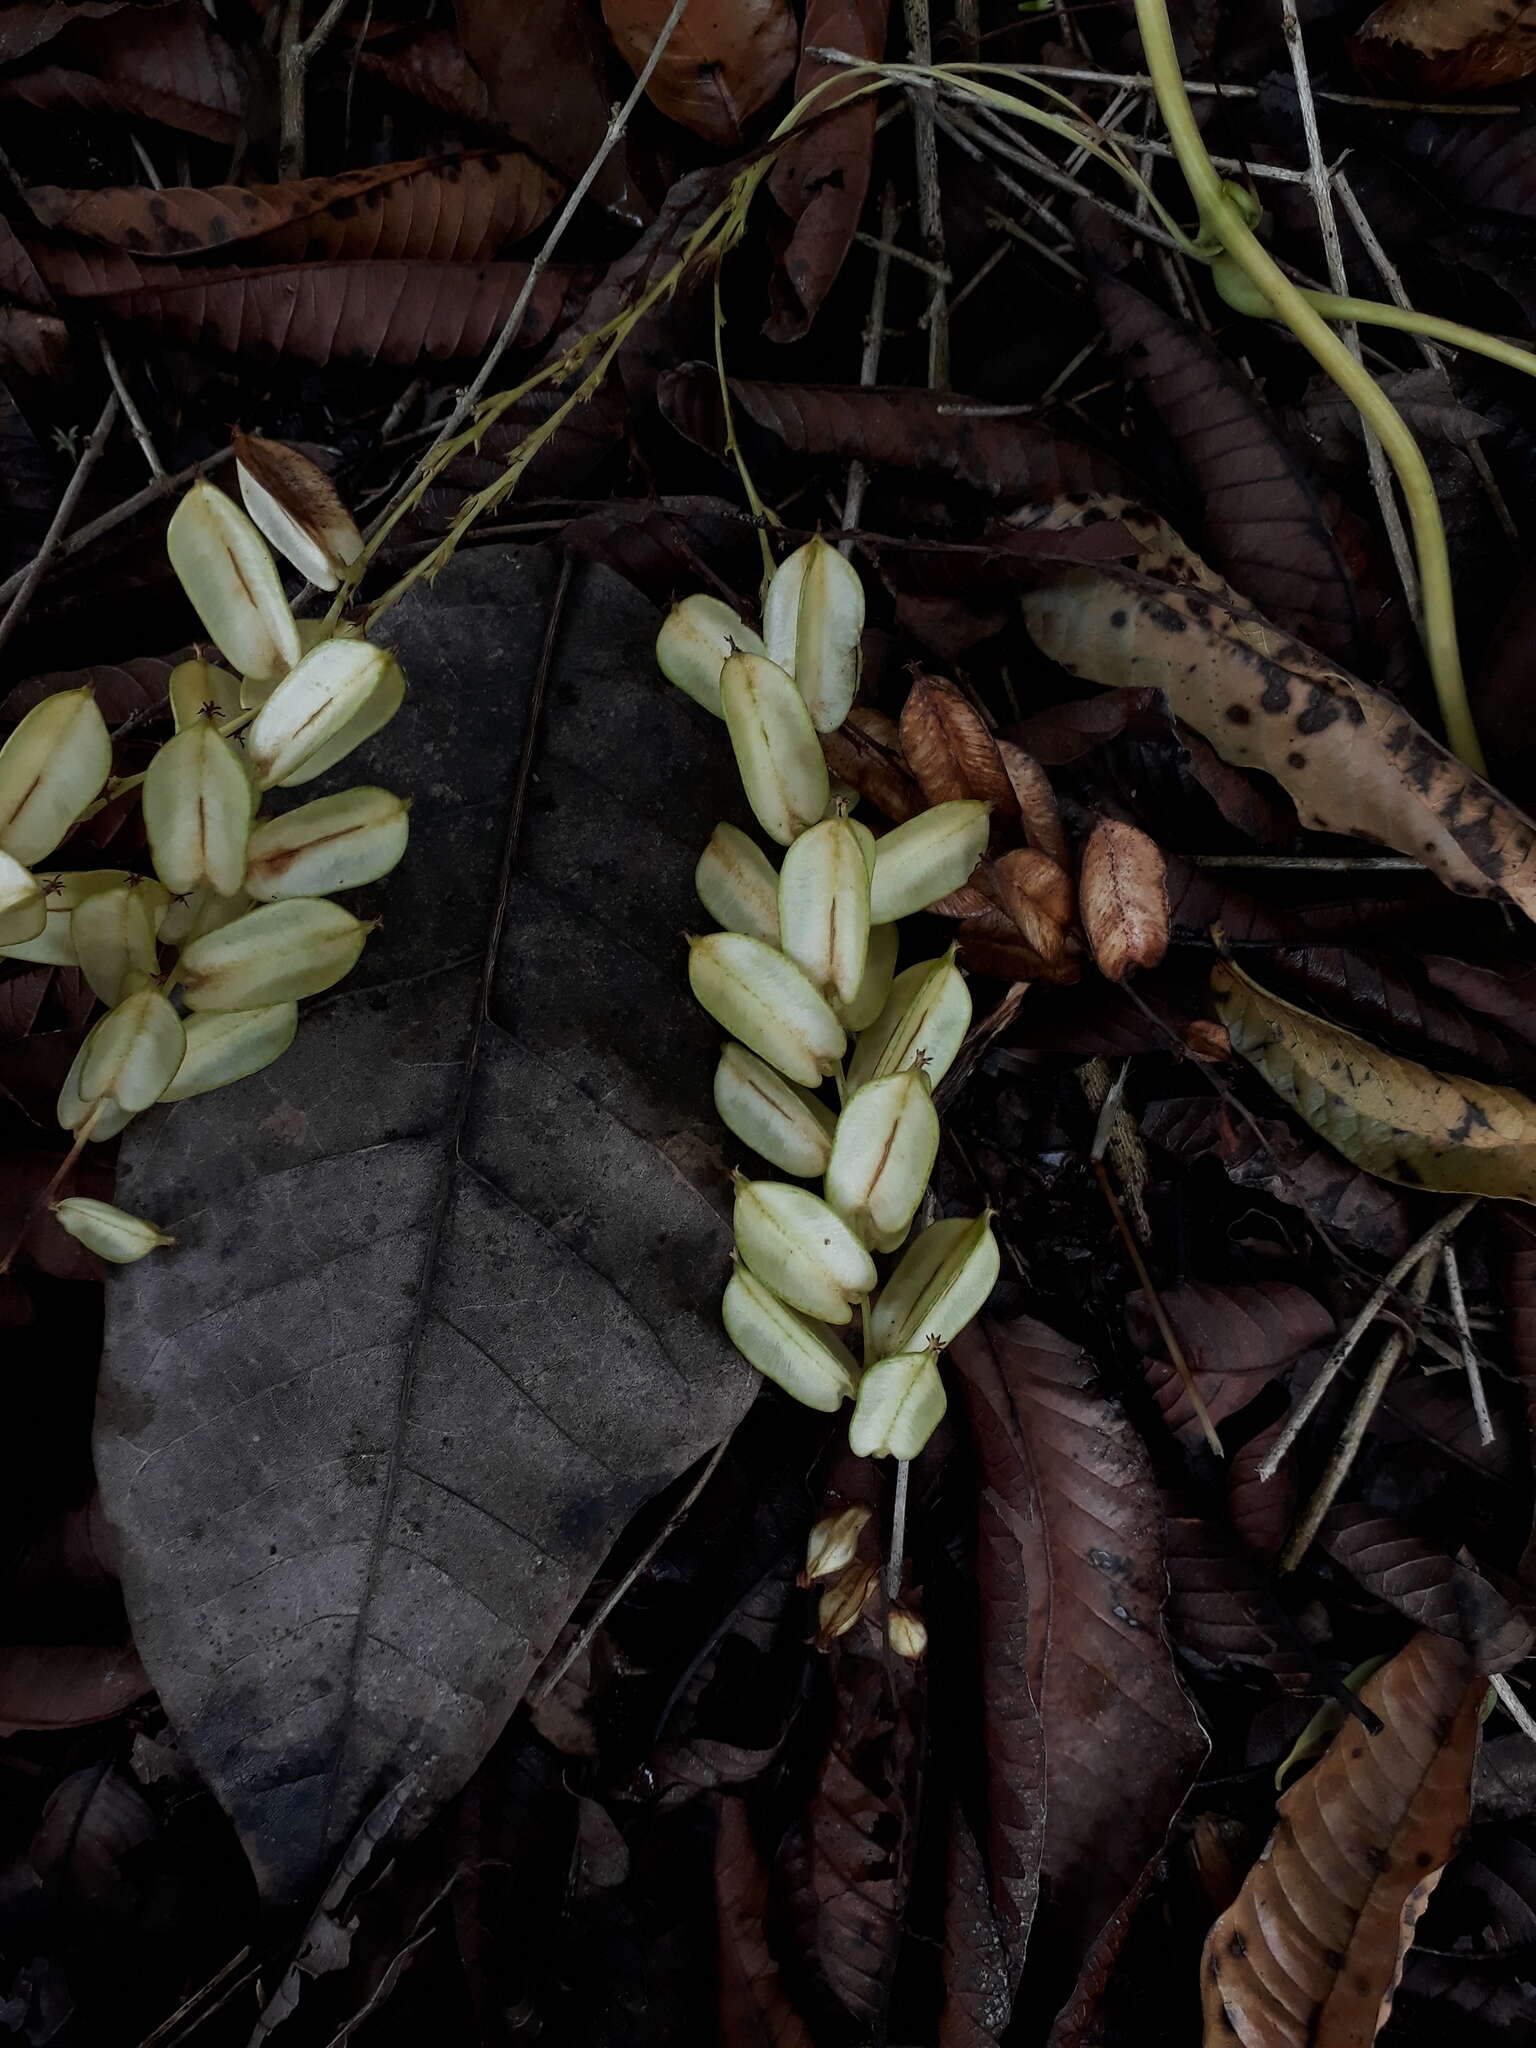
{"x":1392,"y":1116}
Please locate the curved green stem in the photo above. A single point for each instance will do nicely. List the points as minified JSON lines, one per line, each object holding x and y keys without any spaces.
{"x":1408,"y":320}
{"x":1222,"y":224}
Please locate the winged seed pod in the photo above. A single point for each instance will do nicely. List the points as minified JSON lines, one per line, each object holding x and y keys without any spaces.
{"x":907,"y":1635}
{"x":763,"y":998}
{"x":778,"y":755}
{"x":875,"y":989}
{"x":274,"y":954}
{"x":695,"y":640}
{"x":108,"y":1232}
{"x":813,"y":621}
{"x":53,"y":766}
{"x":923,"y":1024}
{"x":843,"y":1601}
{"x":943,"y":1280}
{"x":226,"y":1045}
{"x":295,"y":504}
{"x":883,"y":1150}
{"x":205,"y":910}
{"x":900,"y":1404}
{"x":834,"y":1543}
{"x":824,"y":907}
{"x":54,"y":944}
{"x":375,"y":712}
{"x":312,"y":705}
{"x":201,"y":690}
{"x":791,"y":1241}
{"x":785,"y":1124}
{"x":924,"y":859}
{"x":124,"y":1065}
{"x":114,"y":932}
{"x":801,"y":1356}
{"x":224,"y":566}
{"x":23,"y":905}
{"x":336,"y":842}
{"x":737,"y":885}
{"x":197,"y":811}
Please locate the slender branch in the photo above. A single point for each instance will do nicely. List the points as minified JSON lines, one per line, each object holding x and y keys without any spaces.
{"x":874,"y":343}
{"x":930,"y":214}
{"x":53,"y":539}
{"x":1469,"y":1358}
{"x":898,"y":1544}
{"x":135,"y":418}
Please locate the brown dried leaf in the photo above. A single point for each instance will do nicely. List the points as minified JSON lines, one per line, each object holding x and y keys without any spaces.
{"x":1236,"y":1337}
{"x":755,"y":2010}
{"x":431,"y":66}
{"x":48,"y":1686}
{"x":1391,"y":1116}
{"x":1219,"y":1611}
{"x":949,"y":749}
{"x":1039,"y":812}
{"x":1037,"y":895}
{"x":1264,"y":524}
{"x":1124,"y":897}
{"x":822,"y":174}
{"x":724,"y":63}
{"x":1072,"y":1582}
{"x":461,"y":209}
{"x":1313,"y":1947}
{"x":865,"y":752}
{"x":1446,"y":47}
{"x":977,"y":1997}
{"x":1351,"y":757}
{"x":1433,"y":1591}
{"x":166,"y":64}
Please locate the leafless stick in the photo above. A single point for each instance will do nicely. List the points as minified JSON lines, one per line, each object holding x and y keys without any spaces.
{"x":899,"y":255}
{"x":539,"y":1693}
{"x":898,"y":1546}
{"x":146,"y":160}
{"x":968,"y":25}
{"x":1367,"y":1400}
{"x":135,"y":418}
{"x":93,"y":529}
{"x":874,"y":342}
{"x":1514,"y":1706}
{"x":930,"y":213}
{"x":1086,"y":76}
{"x":53,"y":539}
{"x":295,"y":52}
{"x":1436,"y":1235}
{"x":1118,"y":1136}
{"x":1318,"y":863}
{"x":1469,"y":1357}
{"x":469,"y":397}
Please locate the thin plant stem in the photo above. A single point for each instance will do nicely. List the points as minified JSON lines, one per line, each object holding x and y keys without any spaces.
{"x":53,"y":539}
{"x":1426,"y":326}
{"x":1224,"y":228}
{"x":898,"y":1544}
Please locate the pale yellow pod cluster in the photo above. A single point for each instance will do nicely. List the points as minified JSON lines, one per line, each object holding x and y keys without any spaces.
{"x":778,"y":755}
{"x":922,"y":1023}
{"x":23,"y":907}
{"x":824,"y":907}
{"x":801,"y":1356}
{"x":696,"y":639}
{"x":927,"y":857}
{"x":787,"y":1125}
{"x":276,"y":953}
{"x":109,"y":1232}
{"x":801,"y":1248}
{"x":227,"y":571}
{"x":813,"y":623}
{"x":311,"y":708}
{"x":125,"y":1064}
{"x":901,"y":1403}
{"x":336,"y":842}
{"x":114,"y":933}
{"x":197,"y":811}
{"x":883,"y":1150}
{"x":737,"y":885}
{"x":765,"y":1000}
{"x":52,"y":769}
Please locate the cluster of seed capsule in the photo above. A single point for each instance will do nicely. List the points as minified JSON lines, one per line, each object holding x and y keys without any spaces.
{"x":202,"y":964}
{"x":804,"y":976}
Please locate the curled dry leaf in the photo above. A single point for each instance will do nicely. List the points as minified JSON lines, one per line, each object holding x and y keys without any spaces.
{"x":166,"y":64}
{"x":1124,"y":893}
{"x":948,"y":747}
{"x":1037,"y":895}
{"x":1351,"y":758}
{"x":755,"y":2009}
{"x":1448,"y":46}
{"x":1312,"y":1948}
{"x":725,"y":61}
{"x":1391,"y":1116}
{"x":1039,"y":812}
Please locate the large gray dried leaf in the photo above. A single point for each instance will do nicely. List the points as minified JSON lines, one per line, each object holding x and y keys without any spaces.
{"x":443,"y":1312}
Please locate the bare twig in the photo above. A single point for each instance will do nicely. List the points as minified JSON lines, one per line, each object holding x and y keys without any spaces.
{"x":1318,"y":863}
{"x":874,"y":343}
{"x":1436,"y":1235}
{"x":53,"y":539}
{"x":295,"y":52}
{"x":135,"y":418}
{"x":1514,"y":1706}
{"x":1118,"y":1137}
{"x":1085,"y":76}
{"x":898,"y":1545}
{"x":1469,"y":1357}
{"x":1353,"y":1434}
{"x":930,"y":214}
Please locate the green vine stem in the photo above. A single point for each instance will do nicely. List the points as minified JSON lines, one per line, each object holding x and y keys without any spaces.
{"x":1224,"y":228}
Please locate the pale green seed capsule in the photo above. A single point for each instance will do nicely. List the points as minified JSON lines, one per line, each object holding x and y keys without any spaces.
{"x":883,"y":1150}
{"x":900,"y":1403}
{"x":801,"y":1356}
{"x":801,"y":1249}
{"x":227,"y":571}
{"x":109,"y":1232}
{"x":824,"y":907}
{"x":52,"y":768}
{"x":54,"y":944}
{"x":762,"y":998}
{"x":226,"y":1045}
{"x":274,"y":954}
{"x":197,"y":812}
{"x":695,"y":640}
{"x":378,"y":709}
{"x":295,"y":504}
{"x":922,"y":1024}
{"x":924,"y":859}
{"x":114,"y":935}
{"x":201,"y":690}
{"x":786,"y":1124}
{"x":737,"y":885}
{"x":205,"y":910}
{"x":943,"y":1280}
{"x":778,"y":755}
{"x":834,"y":1543}
{"x":875,"y":988}
{"x":337,"y":842}
{"x":312,"y":705}
{"x":23,"y":908}
{"x":813,"y":618}
{"x":124,"y":1065}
